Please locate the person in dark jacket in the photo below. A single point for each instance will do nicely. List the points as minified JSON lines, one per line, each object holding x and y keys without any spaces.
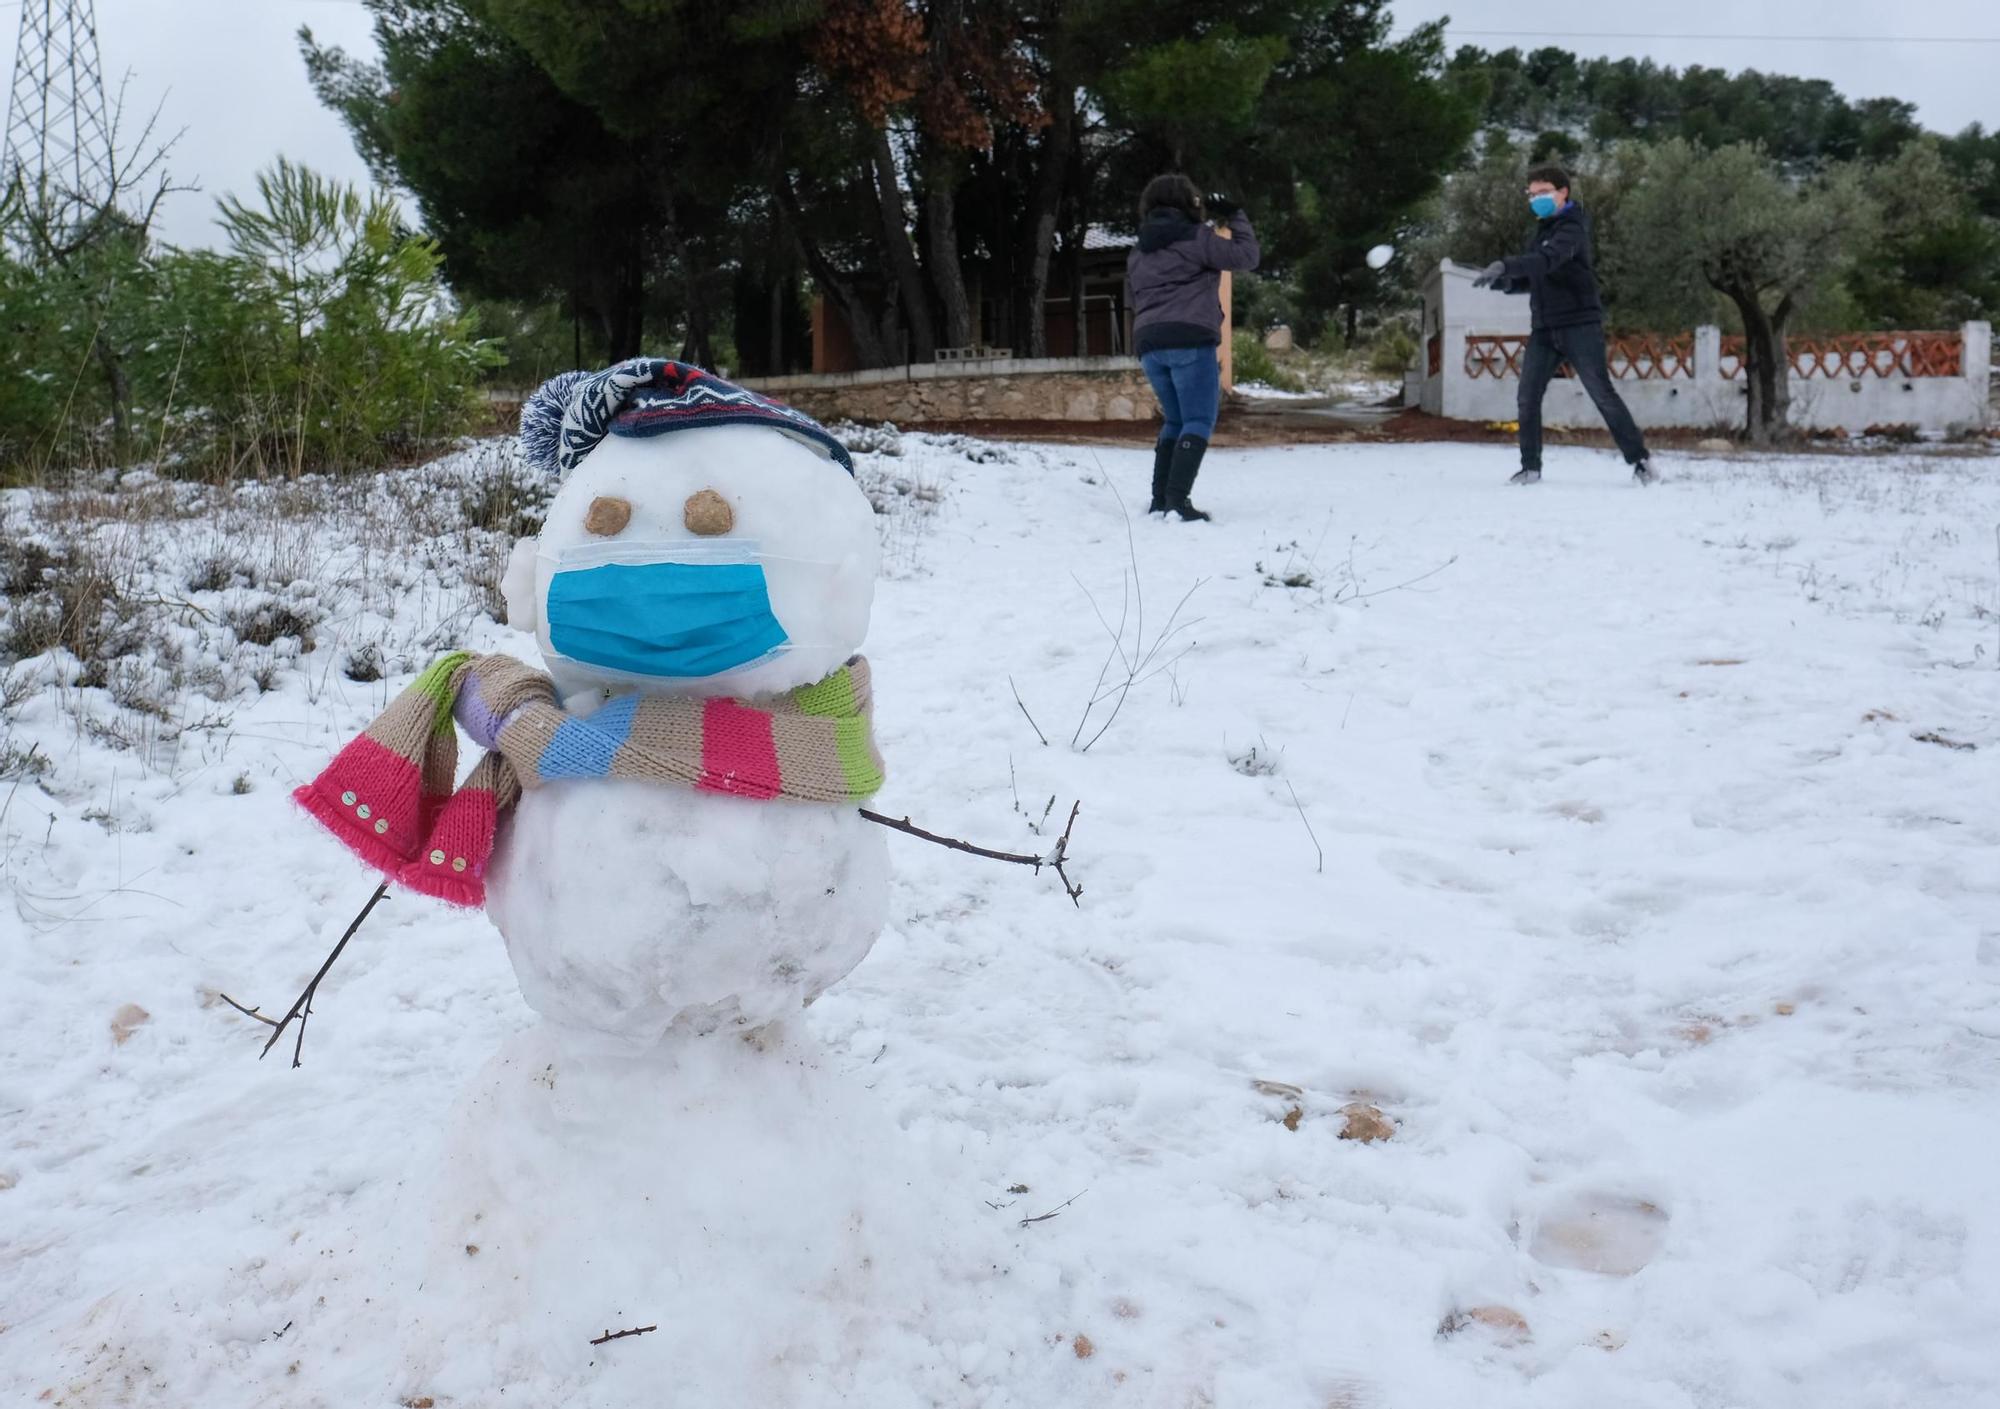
{"x":1568,"y":321}
{"x":1175,"y":275}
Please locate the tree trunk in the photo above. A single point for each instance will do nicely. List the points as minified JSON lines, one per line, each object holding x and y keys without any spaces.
{"x":1046,"y":206}
{"x":869,"y":345}
{"x":619,"y":296}
{"x":118,"y":387}
{"x":902,"y":254}
{"x":1080,"y":335}
{"x":1766,"y":367}
{"x":696,"y":348}
{"x":941,"y":222}
{"x":777,"y":364}
{"x":632,"y":306}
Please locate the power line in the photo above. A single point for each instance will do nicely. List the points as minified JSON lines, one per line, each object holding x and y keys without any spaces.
{"x":1741,"y":38}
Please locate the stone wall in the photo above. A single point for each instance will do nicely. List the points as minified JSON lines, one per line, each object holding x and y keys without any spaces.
{"x":999,"y":389}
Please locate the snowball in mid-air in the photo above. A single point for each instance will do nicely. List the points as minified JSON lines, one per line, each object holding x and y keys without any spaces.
{"x":1379,"y":257}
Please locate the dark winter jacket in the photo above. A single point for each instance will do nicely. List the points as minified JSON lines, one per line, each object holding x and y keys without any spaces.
{"x":1555,"y":272}
{"x":1175,"y":276}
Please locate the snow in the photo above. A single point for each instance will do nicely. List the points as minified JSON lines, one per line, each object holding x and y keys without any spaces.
{"x":1264,"y":391}
{"x":1369,"y":391}
{"x":627,"y":908}
{"x":1618,"y":846}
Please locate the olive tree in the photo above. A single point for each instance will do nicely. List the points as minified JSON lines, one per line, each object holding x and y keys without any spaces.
{"x":1731,"y":221}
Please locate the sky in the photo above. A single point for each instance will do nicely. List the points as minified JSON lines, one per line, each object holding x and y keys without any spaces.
{"x":228,"y":76}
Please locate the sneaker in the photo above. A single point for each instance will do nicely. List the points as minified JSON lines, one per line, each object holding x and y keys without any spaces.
{"x":1526,"y":477}
{"x":1644,"y":473}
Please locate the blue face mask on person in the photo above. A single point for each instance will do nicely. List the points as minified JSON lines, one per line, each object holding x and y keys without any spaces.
{"x":1543,"y":205}
{"x":664,"y":620}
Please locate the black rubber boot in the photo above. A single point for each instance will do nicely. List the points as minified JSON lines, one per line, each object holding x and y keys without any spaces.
{"x":1188,"y":451}
{"x":1163,"y":459}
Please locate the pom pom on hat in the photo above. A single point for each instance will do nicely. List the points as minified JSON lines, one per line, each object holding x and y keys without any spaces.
{"x":542,"y":419}
{"x":569,"y":414}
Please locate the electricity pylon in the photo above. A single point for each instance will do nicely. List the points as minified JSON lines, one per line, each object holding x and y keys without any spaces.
{"x":58,"y":134}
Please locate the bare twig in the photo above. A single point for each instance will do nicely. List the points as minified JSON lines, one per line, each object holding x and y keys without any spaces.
{"x":1027,"y":716}
{"x":1060,"y":856}
{"x":302,"y":1005}
{"x":247,"y":1012}
{"x":610,"y":1335}
{"x":1056,"y":859}
{"x":1045,"y":1217}
{"x":1363,"y":596}
{"x":909,"y":828}
{"x":1321,"y":867}
{"x":1141,"y":665}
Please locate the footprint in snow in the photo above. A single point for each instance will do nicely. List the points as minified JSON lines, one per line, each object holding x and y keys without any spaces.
{"x":1594,"y":1232}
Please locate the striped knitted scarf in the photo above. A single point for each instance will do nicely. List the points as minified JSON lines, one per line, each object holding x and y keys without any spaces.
{"x":388,"y":795}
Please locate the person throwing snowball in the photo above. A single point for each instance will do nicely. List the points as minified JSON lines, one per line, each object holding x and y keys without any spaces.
{"x":1555,"y":273}
{"x":1175,"y":274}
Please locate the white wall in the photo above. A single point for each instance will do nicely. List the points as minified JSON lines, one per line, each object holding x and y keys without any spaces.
{"x":1454,"y":310}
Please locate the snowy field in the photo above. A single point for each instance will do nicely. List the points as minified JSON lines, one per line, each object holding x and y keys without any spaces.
{"x":1634,"y":854}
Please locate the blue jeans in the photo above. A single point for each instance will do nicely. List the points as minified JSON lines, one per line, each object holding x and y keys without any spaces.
{"x":1188,"y":382}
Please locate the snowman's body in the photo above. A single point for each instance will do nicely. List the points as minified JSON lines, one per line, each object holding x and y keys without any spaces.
{"x":636,"y":909}
{"x":639,"y":910}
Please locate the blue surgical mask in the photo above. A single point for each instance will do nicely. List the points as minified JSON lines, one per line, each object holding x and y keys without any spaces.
{"x":1543,"y":205}
{"x":674,"y":611}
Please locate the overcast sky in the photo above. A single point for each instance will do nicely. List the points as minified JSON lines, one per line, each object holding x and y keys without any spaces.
{"x":228,"y":71}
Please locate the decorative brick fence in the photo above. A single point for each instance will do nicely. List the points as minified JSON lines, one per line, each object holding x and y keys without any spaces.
{"x":1474,"y":340}
{"x":996,"y":389}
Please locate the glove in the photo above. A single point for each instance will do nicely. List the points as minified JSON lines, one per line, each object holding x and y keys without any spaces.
{"x":1491,"y":275}
{"x":1221,"y":207}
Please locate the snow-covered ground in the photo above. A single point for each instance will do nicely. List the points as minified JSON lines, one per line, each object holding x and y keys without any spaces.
{"x":1633,"y":853}
{"x":1370,"y":391}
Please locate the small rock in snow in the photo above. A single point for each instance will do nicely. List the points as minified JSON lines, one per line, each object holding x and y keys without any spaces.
{"x":126,"y":1021}
{"x":1365,"y":1123}
{"x":1508,"y":1326}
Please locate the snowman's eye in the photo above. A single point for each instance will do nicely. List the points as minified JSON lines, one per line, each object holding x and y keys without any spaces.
{"x":707,"y":514}
{"x":607,"y":516}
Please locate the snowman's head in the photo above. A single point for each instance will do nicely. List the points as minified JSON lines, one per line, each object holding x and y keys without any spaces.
{"x":704,"y":540}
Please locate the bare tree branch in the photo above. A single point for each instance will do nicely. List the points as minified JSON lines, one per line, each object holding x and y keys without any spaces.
{"x":301,"y":1008}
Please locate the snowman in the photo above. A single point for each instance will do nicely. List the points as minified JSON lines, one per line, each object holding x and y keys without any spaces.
{"x":669,"y":812}
{"x":664,"y":830}
{"x":704,"y":542}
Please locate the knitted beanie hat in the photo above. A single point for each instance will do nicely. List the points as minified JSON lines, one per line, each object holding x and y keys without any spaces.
{"x":566,"y":418}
